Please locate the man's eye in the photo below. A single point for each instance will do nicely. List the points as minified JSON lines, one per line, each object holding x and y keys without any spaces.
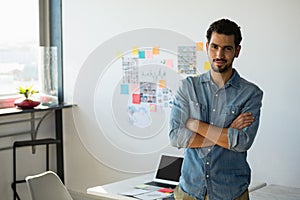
{"x":214,"y":46}
{"x":228,"y":48}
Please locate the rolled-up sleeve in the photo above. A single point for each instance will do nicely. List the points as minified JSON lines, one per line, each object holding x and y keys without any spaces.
{"x":242,"y":140}
{"x":179,"y":135}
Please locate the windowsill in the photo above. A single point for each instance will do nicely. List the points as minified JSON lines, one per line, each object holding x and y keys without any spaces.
{"x":7,"y":106}
{"x":8,"y":101}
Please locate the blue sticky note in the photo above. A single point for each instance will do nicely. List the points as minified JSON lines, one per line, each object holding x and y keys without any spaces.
{"x":124,"y":89}
{"x":141,"y":54}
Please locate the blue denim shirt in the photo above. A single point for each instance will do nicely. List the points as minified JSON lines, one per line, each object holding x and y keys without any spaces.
{"x":223,"y":173}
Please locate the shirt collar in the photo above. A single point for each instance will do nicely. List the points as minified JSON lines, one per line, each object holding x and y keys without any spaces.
{"x":234,"y":80}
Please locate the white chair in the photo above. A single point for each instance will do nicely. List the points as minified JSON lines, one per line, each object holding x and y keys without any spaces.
{"x":48,"y":186}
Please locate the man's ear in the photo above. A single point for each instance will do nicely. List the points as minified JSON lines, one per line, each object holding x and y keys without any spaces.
{"x":237,"y":51}
{"x":207,"y":47}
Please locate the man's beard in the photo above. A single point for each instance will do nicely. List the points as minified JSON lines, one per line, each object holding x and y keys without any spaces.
{"x":221,"y":70}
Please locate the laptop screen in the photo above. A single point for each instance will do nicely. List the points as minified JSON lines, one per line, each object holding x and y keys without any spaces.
{"x":169,"y":169}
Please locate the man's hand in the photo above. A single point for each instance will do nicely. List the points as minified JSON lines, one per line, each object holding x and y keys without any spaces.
{"x":242,"y":121}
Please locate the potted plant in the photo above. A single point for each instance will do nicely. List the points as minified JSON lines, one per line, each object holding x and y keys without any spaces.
{"x":27,"y":101}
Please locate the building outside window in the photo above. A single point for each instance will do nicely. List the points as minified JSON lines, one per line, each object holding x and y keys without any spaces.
{"x":19,"y":45}
{"x":26,"y":55}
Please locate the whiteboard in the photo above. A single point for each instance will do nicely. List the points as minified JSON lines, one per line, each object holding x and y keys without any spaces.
{"x":268,"y":58}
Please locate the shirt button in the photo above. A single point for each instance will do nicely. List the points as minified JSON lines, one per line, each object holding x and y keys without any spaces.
{"x":211,"y":123}
{"x":207,"y":176}
{"x":232,"y":112}
{"x":216,"y":95}
{"x":208,"y":150}
{"x":214,"y":110}
{"x":207,"y":163}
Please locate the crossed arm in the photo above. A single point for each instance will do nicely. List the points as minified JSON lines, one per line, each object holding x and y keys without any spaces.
{"x":208,"y":135}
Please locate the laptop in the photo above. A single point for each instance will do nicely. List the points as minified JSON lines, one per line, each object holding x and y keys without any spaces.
{"x":168,"y":171}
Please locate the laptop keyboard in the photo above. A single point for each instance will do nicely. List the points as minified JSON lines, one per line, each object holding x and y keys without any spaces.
{"x":163,"y":185}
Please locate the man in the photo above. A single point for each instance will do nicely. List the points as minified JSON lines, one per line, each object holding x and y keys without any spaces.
{"x":216,"y":117}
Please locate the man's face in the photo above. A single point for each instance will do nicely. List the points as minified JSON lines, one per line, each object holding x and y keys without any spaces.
{"x":221,"y":52}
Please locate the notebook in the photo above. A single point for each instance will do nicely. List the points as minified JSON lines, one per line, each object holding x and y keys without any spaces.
{"x":168,"y":171}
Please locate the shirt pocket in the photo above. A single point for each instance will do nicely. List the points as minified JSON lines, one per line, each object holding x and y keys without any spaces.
{"x":197,"y":110}
{"x":230,"y":113}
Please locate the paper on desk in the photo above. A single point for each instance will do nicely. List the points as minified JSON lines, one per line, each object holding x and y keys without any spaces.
{"x":152,"y":195}
{"x":134,"y":192}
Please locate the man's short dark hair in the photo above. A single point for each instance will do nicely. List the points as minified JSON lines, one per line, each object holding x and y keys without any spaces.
{"x":227,"y":27}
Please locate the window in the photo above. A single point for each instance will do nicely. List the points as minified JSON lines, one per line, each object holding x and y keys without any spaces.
{"x":19,"y":45}
{"x":30,"y":49}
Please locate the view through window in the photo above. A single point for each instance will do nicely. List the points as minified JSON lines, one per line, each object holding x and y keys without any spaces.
{"x":19,"y":45}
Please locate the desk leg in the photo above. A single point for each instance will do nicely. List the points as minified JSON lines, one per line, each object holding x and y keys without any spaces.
{"x":59,"y":147}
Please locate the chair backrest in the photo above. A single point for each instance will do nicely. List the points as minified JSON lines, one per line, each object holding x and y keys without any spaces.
{"x":47,"y":186}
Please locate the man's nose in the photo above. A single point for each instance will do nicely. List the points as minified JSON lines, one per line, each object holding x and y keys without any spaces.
{"x":220,"y":53}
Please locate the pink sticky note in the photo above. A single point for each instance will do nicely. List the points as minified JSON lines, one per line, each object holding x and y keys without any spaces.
{"x":169,"y":63}
{"x":134,"y":88}
{"x":149,"y":54}
{"x":153,"y":107}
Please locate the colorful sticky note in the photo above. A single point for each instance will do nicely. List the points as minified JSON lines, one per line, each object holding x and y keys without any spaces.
{"x":169,"y":63}
{"x":199,"y":46}
{"x":155,"y":50}
{"x":135,"y":51}
{"x":136,"y":98}
{"x":141,"y":54}
{"x":162,"y":83}
{"x":119,"y":55}
{"x":206,"y":66}
{"x":134,"y":87}
{"x":124,"y":89}
{"x":152,"y":107}
{"x":149,"y":54}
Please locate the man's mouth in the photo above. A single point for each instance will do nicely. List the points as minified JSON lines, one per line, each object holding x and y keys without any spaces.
{"x":220,"y":61}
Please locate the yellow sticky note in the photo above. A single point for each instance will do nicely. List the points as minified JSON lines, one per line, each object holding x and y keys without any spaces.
{"x":135,"y":51}
{"x":199,"y":46}
{"x":119,"y":55}
{"x":206,"y":66}
{"x":162,"y":83}
{"x":155,"y":50}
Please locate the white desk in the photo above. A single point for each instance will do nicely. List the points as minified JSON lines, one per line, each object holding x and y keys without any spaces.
{"x":276,"y":192}
{"x":112,"y":190}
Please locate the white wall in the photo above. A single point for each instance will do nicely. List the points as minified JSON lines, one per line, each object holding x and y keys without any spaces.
{"x":268,"y":58}
{"x":28,"y":163}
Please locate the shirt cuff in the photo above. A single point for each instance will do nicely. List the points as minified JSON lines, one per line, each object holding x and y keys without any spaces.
{"x":232,"y":138}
